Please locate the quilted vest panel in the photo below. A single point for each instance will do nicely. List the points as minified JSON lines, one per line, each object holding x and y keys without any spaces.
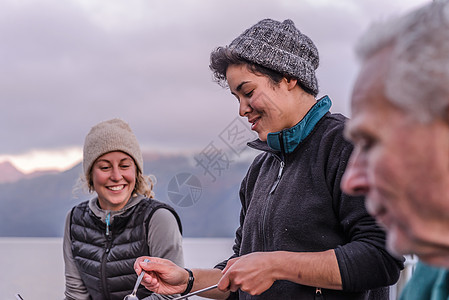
{"x":105,"y":261}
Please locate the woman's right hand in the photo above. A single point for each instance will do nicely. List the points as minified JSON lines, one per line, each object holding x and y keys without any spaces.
{"x":162,"y":275}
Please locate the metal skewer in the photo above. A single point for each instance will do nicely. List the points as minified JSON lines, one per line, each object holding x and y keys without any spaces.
{"x":197,"y":292}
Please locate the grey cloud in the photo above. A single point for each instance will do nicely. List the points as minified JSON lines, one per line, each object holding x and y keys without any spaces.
{"x":64,"y":70}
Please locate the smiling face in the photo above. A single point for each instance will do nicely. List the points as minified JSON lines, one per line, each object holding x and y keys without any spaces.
{"x":268,"y":107}
{"x":401,"y":165}
{"x":114,"y":178}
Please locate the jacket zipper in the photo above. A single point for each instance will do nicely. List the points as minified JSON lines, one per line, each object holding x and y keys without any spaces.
{"x":318,"y":293}
{"x":276,"y":182}
{"x":108,"y":222}
{"x":108,"y":245}
{"x":273,"y":188}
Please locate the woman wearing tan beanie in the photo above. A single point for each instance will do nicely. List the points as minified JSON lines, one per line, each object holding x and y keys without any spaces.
{"x":300,"y":237}
{"x":103,"y":236}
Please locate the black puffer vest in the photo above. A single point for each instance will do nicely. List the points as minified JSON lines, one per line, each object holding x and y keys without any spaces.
{"x":105,"y":261}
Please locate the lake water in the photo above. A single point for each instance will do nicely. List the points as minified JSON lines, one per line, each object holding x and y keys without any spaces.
{"x":34,"y":267}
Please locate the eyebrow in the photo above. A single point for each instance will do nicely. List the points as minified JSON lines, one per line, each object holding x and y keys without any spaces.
{"x":108,"y":161}
{"x":239,"y":87}
{"x":358,"y":131}
{"x":349,"y":131}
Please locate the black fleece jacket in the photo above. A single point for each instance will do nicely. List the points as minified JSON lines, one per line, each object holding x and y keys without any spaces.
{"x":307,"y":212}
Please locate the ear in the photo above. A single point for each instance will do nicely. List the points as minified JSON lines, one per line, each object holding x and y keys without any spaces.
{"x":291,"y":82}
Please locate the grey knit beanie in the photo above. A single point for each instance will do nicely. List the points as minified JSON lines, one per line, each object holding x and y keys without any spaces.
{"x":108,"y":136}
{"x":282,"y":48}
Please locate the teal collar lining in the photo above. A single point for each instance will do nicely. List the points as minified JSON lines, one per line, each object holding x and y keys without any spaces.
{"x":291,"y":137}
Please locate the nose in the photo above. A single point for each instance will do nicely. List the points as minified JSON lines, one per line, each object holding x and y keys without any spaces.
{"x":244,"y":107}
{"x":116,"y":174}
{"x":355,"y":179}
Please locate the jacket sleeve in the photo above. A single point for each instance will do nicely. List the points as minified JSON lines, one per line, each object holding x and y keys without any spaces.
{"x":74,"y":286}
{"x":364,"y":261}
{"x":164,"y":238}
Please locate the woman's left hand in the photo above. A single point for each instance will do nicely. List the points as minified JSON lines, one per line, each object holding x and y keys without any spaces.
{"x":251,"y":273}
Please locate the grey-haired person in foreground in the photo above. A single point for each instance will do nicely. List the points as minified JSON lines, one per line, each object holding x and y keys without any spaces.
{"x":104,"y":235}
{"x":300,"y":237}
{"x":400,"y":129}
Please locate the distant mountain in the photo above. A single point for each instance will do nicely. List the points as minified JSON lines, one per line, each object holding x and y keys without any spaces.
{"x":9,"y":173}
{"x":204,"y":193}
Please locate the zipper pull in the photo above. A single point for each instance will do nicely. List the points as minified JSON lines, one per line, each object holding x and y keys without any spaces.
{"x":278,"y":178}
{"x":108,"y":222}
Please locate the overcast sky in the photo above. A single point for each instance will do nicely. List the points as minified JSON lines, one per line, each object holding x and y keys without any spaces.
{"x":69,"y":64}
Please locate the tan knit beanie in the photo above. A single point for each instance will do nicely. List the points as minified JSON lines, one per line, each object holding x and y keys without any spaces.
{"x":109,"y":136}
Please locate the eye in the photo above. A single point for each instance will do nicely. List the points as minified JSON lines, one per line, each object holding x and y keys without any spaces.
{"x":126,"y":164}
{"x":362,"y":139}
{"x":365,"y":144}
{"x":104,"y":168}
{"x":248,"y":95}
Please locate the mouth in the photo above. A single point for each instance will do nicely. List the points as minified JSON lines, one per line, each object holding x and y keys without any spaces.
{"x":253,"y":122}
{"x":116,"y":188}
{"x":378,"y":211}
{"x":383,"y":222}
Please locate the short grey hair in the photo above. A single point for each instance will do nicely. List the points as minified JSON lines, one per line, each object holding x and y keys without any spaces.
{"x":418,"y":76}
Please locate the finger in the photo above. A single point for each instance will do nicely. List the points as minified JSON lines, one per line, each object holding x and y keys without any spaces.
{"x":223,"y":284}
{"x":147,"y":265}
{"x":150,"y":283}
{"x":137,"y":267}
{"x":149,"y":277}
{"x":228,"y":265}
{"x":235,"y":285}
{"x":137,"y":262}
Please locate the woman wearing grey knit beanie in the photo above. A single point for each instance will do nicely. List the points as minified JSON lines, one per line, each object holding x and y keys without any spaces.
{"x":104,"y":235}
{"x":300,"y":237}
